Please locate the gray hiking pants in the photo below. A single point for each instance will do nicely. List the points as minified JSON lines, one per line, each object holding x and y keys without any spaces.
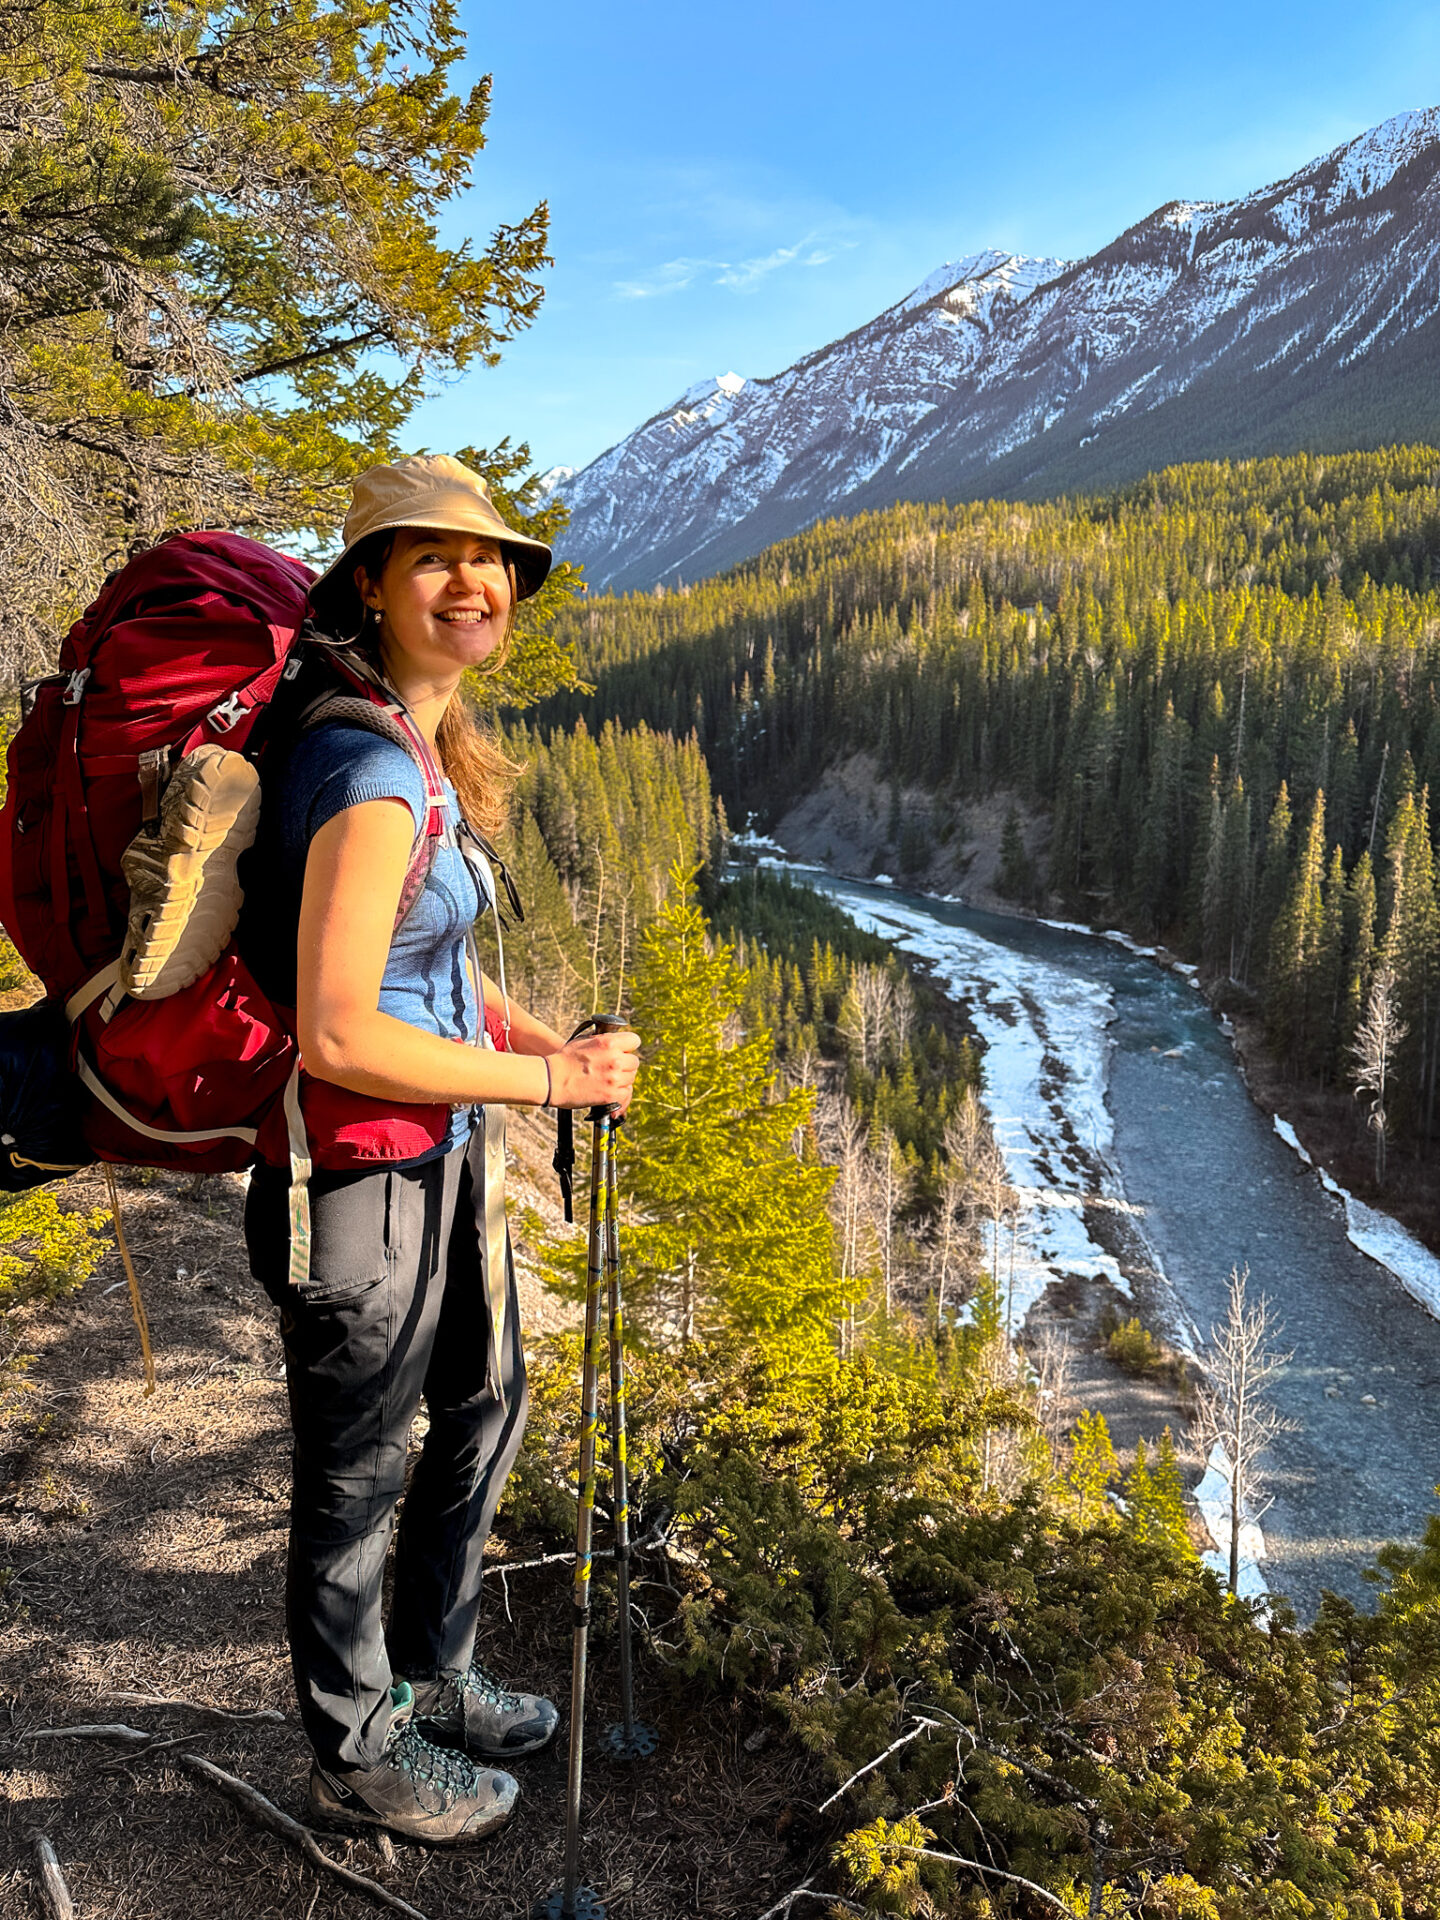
{"x":394,"y":1311}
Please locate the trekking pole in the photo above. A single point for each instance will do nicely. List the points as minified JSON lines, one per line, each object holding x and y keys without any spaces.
{"x":629,"y":1738}
{"x":570,"y":1900}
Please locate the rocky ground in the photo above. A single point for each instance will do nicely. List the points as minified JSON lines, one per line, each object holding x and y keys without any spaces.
{"x":142,"y":1546}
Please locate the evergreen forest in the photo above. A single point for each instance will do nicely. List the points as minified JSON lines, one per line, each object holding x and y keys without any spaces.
{"x":1218,"y":684}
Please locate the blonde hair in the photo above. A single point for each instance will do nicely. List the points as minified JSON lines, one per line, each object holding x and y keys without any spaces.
{"x":480,"y":771}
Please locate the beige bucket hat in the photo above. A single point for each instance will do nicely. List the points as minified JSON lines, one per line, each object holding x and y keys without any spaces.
{"x":427,"y":490}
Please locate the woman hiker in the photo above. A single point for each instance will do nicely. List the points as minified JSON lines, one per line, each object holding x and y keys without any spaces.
{"x":394,"y":1307}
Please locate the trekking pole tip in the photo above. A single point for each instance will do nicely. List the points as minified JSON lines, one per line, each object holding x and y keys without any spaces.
{"x":585,"y":1906}
{"x":633,"y":1742}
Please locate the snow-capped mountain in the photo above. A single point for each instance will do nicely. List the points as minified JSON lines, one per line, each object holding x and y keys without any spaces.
{"x":1304,"y":315}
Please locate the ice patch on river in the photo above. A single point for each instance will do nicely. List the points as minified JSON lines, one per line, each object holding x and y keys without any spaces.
{"x":1046,"y":1069}
{"x":1385,"y":1241}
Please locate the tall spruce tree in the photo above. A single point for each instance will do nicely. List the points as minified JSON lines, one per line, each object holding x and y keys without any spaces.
{"x":727,"y":1228}
{"x":1292,"y":1014}
{"x":1274,"y":871}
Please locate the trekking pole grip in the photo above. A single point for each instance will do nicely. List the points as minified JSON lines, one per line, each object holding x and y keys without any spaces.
{"x":564,"y":1161}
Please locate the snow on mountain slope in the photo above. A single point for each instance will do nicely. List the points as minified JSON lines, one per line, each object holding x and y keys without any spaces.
{"x":1301,"y":314}
{"x":717,"y":452}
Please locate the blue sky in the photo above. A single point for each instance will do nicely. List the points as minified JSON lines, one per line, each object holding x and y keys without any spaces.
{"x":731,"y":187}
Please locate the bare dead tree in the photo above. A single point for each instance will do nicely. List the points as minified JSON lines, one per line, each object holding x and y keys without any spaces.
{"x":954,"y":1213}
{"x":890,"y":1182}
{"x":1236,"y":1411}
{"x":843,"y":1142}
{"x":903,"y":1013}
{"x":1373,"y":1051}
{"x":1052,"y":1387}
{"x":866,"y":1012}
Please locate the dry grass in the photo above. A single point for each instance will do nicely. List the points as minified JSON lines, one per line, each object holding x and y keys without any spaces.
{"x":143,"y":1544}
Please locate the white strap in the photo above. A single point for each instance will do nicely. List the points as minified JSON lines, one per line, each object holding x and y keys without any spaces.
{"x":171,"y":1136}
{"x":485,"y":877}
{"x":87,"y":995}
{"x":299,"y":1182}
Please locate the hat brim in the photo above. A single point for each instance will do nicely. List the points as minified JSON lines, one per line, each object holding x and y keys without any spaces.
{"x":532,"y":558}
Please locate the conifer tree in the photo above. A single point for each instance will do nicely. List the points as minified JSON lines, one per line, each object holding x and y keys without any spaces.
{"x":730,"y":1229}
{"x":1139,"y":1492}
{"x":1155,"y":1496}
{"x":1214,"y":900}
{"x":223,"y":281}
{"x":1410,"y":951}
{"x":1274,"y":871}
{"x":1093,"y":1465}
{"x":1291,"y":986}
{"x":1170,"y":1491}
{"x":1239,"y":876}
{"x":1359,"y":948}
{"x":1329,"y":969}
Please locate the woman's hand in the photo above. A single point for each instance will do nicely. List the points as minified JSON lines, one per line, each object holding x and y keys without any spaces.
{"x":598,"y":1071}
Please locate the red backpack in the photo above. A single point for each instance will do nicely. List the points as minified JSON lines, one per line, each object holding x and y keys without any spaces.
{"x":185,"y":645}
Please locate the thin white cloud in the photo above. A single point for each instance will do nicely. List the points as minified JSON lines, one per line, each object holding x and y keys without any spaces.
{"x":673,"y":277}
{"x":740,"y":276}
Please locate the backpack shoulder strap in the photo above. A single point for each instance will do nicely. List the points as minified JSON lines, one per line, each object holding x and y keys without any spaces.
{"x":367,"y":710}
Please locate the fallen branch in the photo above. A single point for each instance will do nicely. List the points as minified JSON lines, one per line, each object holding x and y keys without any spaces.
{"x":112,"y":1731}
{"x":924,"y":1726}
{"x":785,"y":1904}
{"x":124,"y":1761}
{"x":995,"y":1873}
{"x":266,"y":1814}
{"x":53,"y":1889}
{"x":122,"y":1699}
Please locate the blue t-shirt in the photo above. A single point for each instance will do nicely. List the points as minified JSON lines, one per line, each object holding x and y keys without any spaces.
{"x":426,"y":983}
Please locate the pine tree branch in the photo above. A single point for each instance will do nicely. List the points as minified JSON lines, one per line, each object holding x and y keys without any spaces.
{"x":371,"y":337}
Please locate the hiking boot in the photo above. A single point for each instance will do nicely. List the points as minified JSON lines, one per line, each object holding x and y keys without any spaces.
{"x":421,"y":1790}
{"x":473,"y":1710}
{"x":184,"y":888}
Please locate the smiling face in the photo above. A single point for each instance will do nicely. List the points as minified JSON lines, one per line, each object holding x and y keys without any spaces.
{"x":443,"y":600}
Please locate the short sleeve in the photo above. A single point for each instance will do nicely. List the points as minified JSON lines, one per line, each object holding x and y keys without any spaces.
{"x":337,"y":767}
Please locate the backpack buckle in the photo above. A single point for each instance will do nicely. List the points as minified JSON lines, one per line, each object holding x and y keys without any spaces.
{"x":228,"y":714}
{"x":75,"y":687}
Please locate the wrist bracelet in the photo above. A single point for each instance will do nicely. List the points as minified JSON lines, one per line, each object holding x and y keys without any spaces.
{"x":549,"y":1081}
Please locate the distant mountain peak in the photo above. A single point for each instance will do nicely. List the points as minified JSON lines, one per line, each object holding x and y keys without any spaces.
{"x":1013,"y":274}
{"x":710,"y":393}
{"x":1304,"y":315}
{"x":1395,"y":141}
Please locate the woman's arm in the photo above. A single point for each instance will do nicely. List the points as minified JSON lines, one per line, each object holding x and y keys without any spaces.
{"x":353,"y":875}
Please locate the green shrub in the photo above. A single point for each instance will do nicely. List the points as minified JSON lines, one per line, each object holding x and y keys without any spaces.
{"x":1136,"y":1349}
{"x":45,"y":1251}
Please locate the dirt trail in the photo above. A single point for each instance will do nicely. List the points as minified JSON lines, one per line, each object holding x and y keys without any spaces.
{"x":142,"y":1544}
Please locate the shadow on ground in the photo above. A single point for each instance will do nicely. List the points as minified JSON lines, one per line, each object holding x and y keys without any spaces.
{"x":142,"y":1550}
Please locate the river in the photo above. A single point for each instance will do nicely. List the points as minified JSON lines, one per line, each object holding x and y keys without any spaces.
{"x":1110,"y":1083}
